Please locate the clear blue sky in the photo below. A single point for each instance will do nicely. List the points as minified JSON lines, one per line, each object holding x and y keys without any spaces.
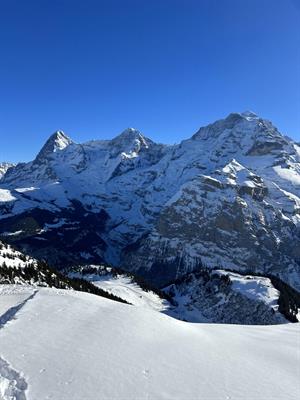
{"x":166,"y":67}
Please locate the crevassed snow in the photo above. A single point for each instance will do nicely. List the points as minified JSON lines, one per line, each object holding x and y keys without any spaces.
{"x":70,"y":345}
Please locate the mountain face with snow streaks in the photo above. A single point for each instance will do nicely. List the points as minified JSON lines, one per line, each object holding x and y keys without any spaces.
{"x":228,"y":197}
{"x":4,"y":167}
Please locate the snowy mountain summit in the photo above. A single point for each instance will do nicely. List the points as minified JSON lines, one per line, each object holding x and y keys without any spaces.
{"x":227,"y":198}
{"x":131,"y":140}
{"x":56,"y":142}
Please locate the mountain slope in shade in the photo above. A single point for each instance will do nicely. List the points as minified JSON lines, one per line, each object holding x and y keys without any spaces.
{"x":59,"y":344}
{"x":228,"y":197}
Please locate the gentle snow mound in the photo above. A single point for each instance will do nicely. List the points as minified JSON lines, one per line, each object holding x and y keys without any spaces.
{"x":72,"y":345}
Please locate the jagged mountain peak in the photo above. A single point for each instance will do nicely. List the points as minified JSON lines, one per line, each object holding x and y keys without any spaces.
{"x":246,"y":121}
{"x":129,"y":132}
{"x":245,"y":133}
{"x":244,"y":115}
{"x":131,"y":136}
{"x":57,"y":141}
{"x":130,"y":142}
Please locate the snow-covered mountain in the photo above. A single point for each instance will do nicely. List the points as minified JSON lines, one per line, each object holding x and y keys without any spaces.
{"x":228,"y":197}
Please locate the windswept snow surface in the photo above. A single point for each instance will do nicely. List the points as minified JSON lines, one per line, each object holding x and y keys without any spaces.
{"x":67,"y":345}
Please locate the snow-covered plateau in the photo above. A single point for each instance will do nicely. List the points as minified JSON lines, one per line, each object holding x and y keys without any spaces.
{"x":66,"y":345}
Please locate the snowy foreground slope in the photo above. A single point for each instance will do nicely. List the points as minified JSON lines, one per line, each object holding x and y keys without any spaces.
{"x":69,"y":345}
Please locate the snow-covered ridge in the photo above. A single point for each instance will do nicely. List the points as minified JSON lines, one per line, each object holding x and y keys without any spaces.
{"x":216,"y":296}
{"x":57,"y":141}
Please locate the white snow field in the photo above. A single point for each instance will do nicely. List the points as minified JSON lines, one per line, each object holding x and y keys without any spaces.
{"x":66,"y":345}
{"x":123,"y":287}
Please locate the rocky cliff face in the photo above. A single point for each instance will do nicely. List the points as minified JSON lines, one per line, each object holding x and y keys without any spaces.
{"x":229,"y":219}
{"x":227,"y":197}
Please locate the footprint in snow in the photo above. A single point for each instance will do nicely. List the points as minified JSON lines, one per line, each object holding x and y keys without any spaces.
{"x":12,"y":384}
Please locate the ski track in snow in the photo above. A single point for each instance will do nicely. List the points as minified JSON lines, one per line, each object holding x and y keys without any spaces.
{"x":12,"y":384}
{"x":11,"y":312}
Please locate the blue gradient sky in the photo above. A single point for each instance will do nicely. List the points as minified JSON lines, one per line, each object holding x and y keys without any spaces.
{"x":166,"y":67}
